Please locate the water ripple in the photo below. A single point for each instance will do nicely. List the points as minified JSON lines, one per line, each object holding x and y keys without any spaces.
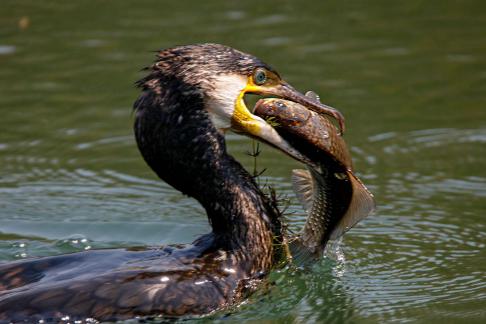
{"x":428,"y":138}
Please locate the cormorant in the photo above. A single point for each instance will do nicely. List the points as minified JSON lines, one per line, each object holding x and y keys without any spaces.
{"x":190,"y":97}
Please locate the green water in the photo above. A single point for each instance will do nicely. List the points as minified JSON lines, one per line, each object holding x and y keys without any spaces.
{"x":410,"y":78}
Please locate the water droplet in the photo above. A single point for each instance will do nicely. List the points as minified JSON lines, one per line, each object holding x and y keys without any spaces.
{"x":7,"y":49}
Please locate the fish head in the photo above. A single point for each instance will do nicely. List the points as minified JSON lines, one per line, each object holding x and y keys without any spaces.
{"x":312,"y":135}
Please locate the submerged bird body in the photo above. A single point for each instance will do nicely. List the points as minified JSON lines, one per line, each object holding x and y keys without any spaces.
{"x":121,"y":284}
{"x":192,"y":94}
{"x":334,"y":198}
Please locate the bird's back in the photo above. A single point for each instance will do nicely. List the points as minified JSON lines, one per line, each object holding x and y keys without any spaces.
{"x":118,"y":284}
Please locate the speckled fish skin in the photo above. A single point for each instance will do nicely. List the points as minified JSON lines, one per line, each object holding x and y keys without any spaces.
{"x":333,"y":196}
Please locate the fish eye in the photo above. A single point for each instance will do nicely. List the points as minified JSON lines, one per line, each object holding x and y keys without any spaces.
{"x":259,"y":76}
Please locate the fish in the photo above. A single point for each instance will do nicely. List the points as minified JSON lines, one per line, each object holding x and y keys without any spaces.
{"x":334,"y":198}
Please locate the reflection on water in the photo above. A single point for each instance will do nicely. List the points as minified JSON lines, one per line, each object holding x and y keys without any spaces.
{"x":409,"y":78}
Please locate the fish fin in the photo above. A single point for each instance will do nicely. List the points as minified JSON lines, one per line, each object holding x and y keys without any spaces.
{"x":362,"y":204}
{"x":311,"y":94}
{"x":304,"y":187}
{"x":301,"y":254}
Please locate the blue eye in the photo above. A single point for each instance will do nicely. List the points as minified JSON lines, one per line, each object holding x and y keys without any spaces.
{"x":259,"y":76}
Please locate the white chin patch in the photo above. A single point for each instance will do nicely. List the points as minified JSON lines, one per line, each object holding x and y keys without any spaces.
{"x":221,"y":100}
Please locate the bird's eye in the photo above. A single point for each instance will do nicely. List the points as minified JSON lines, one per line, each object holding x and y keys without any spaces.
{"x":259,"y":76}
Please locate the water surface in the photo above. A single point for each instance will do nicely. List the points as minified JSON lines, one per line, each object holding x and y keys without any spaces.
{"x":409,"y":77}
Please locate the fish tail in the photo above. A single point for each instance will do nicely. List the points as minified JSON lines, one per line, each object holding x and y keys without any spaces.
{"x":362,"y":204}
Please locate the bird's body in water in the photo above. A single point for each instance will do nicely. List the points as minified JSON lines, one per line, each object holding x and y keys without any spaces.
{"x":190,"y":97}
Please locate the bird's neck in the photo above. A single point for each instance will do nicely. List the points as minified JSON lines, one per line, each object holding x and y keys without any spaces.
{"x":242,"y":218}
{"x":179,"y":142}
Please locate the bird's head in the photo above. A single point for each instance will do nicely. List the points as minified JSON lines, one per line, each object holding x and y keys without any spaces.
{"x":223,"y":75}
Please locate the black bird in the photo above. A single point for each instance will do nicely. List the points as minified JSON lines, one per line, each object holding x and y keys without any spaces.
{"x":190,"y":97}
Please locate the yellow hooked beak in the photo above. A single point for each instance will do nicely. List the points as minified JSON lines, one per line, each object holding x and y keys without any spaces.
{"x":243,"y":121}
